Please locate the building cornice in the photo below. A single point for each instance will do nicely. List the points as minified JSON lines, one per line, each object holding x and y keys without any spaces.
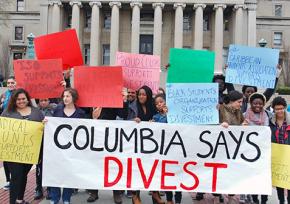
{"x":189,"y":2}
{"x":20,"y":13}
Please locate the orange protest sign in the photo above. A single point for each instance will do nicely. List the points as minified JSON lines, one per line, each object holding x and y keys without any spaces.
{"x":99,"y":86}
{"x":62,"y":45}
{"x":41,"y":78}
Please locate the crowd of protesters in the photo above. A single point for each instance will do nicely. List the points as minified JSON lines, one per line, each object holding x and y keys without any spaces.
{"x":235,"y":108}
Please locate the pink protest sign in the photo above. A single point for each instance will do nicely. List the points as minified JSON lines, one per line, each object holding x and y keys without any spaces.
{"x":139,"y":70}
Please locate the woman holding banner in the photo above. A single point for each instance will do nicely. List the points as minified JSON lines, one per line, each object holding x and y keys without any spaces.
{"x":141,"y":109}
{"x":257,"y":115}
{"x":230,"y":114}
{"x":20,"y":107}
{"x":67,"y":109}
{"x":280,"y":127}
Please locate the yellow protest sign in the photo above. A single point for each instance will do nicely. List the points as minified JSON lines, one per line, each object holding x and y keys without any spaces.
{"x":20,"y":140}
{"x":281,"y":165}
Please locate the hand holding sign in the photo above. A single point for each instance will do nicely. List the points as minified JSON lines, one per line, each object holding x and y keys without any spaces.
{"x":252,"y":66}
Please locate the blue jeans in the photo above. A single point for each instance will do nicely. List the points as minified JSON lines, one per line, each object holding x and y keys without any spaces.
{"x":55,"y":194}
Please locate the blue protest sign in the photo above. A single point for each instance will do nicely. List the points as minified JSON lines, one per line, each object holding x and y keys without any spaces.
{"x":252,"y":66}
{"x":192,"y":103}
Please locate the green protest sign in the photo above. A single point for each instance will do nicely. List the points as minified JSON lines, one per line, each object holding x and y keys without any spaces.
{"x":190,"y":66}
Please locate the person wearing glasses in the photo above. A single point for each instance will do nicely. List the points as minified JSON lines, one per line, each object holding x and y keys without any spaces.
{"x":280,"y":127}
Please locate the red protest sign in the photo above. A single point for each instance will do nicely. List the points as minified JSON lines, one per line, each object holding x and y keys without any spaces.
{"x":64,"y":45}
{"x":41,"y":78}
{"x":139,"y":70}
{"x":99,"y":86}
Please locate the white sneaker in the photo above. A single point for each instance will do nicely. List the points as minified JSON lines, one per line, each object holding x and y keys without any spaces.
{"x":7,"y":186}
{"x":66,"y":202}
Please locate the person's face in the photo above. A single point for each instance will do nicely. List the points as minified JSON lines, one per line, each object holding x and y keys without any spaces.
{"x":279,"y":111}
{"x":11,"y":84}
{"x":257,"y":105}
{"x":237,"y":104}
{"x":221,"y":84}
{"x":67,"y":98}
{"x":142,"y":96}
{"x":160,"y":104}
{"x":21,"y":101}
{"x":43,"y":103}
{"x":131,"y":95}
{"x":249,"y":91}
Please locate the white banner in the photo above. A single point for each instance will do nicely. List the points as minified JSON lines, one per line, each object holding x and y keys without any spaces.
{"x":100,"y":154}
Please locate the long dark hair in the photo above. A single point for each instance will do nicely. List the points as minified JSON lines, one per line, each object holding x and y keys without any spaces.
{"x":150,"y":109}
{"x":12,"y":102}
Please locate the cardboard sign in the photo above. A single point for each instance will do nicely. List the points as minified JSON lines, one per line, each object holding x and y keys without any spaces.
{"x":192,"y":103}
{"x":20,"y":140}
{"x":252,"y":66}
{"x":281,"y":165}
{"x":139,"y":70}
{"x":99,"y":86}
{"x":190,"y":66}
{"x":64,"y":45}
{"x":41,"y":78}
{"x":156,"y":156}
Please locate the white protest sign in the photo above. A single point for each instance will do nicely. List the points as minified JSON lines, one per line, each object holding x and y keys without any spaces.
{"x":100,"y":154}
{"x":252,"y":66}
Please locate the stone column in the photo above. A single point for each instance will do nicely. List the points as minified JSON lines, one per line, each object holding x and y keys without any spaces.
{"x":252,"y":36}
{"x":178,"y":30}
{"x":238,"y":38}
{"x":135,"y":35}
{"x":75,"y":22}
{"x":157,"y":38}
{"x":95,"y":34}
{"x":198,"y":26}
{"x":114,"y":41}
{"x":44,"y":17}
{"x":55,"y":27}
{"x":218,"y":36}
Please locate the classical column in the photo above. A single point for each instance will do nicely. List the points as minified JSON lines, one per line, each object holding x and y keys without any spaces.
{"x":252,"y":24}
{"x":198,"y":26}
{"x":218,"y":36}
{"x":114,"y":41}
{"x":95,"y":33}
{"x":55,"y":27}
{"x":75,"y":21}
{"x":238,"y":38}
{"x":178,"y":30}
{"x":44,"y":17}
{"x":135,"y":35}
{"x":157,"y":37}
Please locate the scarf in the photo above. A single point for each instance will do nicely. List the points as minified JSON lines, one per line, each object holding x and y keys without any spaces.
{"x":252,"y":117}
